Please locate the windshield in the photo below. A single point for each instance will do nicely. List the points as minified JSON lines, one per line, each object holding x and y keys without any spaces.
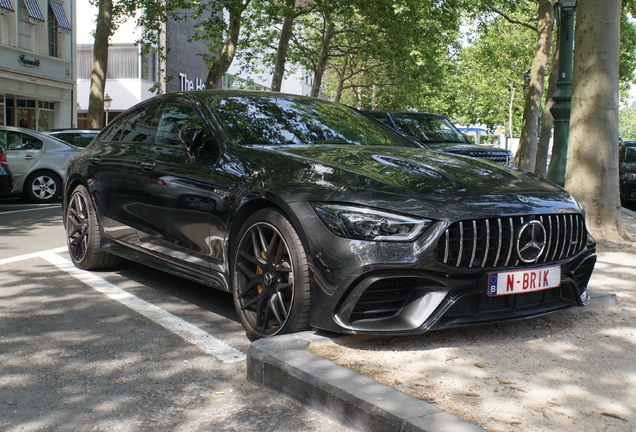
{"x":630,"y":154}
{"x":280,"y":121}
{"x":429,"y":128}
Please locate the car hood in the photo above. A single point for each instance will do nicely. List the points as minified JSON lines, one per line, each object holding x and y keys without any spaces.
{"x":416,"y":180}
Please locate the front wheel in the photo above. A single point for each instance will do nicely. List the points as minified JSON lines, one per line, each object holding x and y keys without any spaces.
{"x":83,"y":234}
{"x":270,"y":277}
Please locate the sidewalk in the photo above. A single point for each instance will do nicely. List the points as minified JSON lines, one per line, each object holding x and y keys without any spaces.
{"x":567,"y":371}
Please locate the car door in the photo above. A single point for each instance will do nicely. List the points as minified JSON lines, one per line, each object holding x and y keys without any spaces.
{"x":173,"y":191}
{"x":111,"y":171}
{"x":22,"y":152}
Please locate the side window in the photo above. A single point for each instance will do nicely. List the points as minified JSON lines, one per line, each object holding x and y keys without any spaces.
{"x":140,"y":125}
{"x":137,"y":126}
{"x":115,"y":131}
{"x":20,"y":141}
{"x":174,"y":117}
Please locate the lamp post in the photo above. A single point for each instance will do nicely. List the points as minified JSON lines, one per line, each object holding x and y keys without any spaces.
{"x":563,"y":94}
{"x":526,"y":83}
{"x":107,"y":102}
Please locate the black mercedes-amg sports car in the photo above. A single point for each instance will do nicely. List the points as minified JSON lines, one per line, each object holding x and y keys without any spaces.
{"x":313,"y":215}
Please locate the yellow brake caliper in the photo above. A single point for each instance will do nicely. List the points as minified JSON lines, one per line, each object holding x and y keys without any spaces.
{"x":259,"y":271}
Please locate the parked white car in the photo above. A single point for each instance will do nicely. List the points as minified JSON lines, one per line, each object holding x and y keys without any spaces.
{"x":38,"y":163}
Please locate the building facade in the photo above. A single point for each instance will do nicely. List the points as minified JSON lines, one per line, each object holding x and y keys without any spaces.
{"x":37,"y":82}
{"x":132,"y":78}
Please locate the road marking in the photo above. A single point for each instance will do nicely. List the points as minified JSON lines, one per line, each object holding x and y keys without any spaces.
{"x":31,"y":209}
{"x":32,"y":255}
{"x":189,"y":332}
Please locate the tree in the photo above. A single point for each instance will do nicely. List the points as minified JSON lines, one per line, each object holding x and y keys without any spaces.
{"x":224,"y":58}
{"x":592,"y":161}
{"x":100,"y":64}
{"x":527,"y":152}
{"x":627,"y":124}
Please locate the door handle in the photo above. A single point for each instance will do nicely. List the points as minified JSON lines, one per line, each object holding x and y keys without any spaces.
{"x":148,"y":165}
{"x":28,"y":157}
{"x":95,"y":160}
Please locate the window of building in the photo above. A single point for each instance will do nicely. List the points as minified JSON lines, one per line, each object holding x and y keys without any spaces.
{"x":46,"y":115}
{"x":29,"y":13}
{"x":54,"y":35}
{"x":2,"y":114}
{"x":150,"y":67}
{"x":5,"y":6}
{"x":123,"y":63}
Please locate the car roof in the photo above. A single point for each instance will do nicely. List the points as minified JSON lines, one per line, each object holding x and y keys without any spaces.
{"x":53,"y":131}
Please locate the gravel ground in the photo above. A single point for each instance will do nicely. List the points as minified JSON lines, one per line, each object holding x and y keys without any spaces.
{"x":573,"y":370}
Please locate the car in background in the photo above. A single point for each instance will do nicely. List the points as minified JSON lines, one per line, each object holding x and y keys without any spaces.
{"x":627,"y":172}
{"x":314,"y":215}
{"x":38,"y":162}
{"x":77,"y":137}
{"x":6,"y":176}
{"x":436,"y":132}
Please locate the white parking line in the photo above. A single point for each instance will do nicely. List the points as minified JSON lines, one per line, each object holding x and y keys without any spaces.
{"x":32,"y":255}
{"x":31,"y":209}
{"x":190,"y":333}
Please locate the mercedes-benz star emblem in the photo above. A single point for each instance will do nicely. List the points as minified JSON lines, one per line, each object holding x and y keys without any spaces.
{"x":269,"y":278}
{"x":531,"y":241}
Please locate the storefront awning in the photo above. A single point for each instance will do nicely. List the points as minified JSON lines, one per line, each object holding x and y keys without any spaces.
{"x":60,"y":15}
{"x":34,"y":10}
{"x":6,"y":4}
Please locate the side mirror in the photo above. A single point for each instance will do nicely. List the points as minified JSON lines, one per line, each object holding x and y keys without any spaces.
{"x":191,"y":137}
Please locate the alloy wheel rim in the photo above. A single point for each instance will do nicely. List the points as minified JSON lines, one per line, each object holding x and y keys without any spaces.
{"x":44,"y":187}
{"x":264,"y":279}
{"x":77,"y":227}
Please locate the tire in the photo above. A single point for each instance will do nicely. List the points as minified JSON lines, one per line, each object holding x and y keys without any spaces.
{"x":42,"y":187}
{"x":83,"y":234}
{"x":270,"y":277}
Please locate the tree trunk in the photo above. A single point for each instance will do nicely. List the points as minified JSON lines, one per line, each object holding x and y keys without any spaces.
{"x":592,"y":161}
{"x":321,"y":64}
{"x":341,"y":80}
{"x":526,"y":154}
{"x":103,"y":31}
{"x":224,"y":61}
{"x":281,"y":53}
{"x":547,"y":122}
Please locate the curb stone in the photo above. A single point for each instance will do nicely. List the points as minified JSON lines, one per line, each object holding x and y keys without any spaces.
{"x":282,"y":363}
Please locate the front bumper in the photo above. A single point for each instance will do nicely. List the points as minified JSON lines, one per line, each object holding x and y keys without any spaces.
{"x":399,"y":288}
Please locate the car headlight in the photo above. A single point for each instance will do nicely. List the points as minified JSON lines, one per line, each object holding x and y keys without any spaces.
{"x":363,"y":223}
{"x":630,"y":176}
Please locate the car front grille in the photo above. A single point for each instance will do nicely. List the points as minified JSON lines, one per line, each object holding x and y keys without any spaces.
{"x":491,"y":243}
{"x":498,"y":157}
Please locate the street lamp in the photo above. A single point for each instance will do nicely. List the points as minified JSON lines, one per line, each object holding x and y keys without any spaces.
{"x":563,"y":94}
{"x":107,"y":102}
{"x":526,"y":83}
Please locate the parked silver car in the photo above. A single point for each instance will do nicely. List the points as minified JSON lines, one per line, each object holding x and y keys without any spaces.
{"x":38,"y":163}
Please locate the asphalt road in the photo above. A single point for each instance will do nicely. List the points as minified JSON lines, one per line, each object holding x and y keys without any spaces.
{"x":128,"y":350}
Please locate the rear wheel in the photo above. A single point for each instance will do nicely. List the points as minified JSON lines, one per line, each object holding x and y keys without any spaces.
{"x":270,"y":276}
{"x":42,"y":187}
{"x":83,"y":234}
